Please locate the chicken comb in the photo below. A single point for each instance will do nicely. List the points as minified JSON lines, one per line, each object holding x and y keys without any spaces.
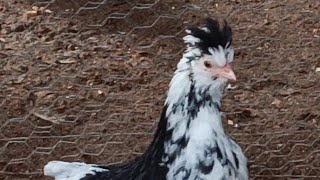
{"x":214,"y":34}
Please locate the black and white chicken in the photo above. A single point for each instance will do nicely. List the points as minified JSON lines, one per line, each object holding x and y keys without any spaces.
{"x":190,"y":142}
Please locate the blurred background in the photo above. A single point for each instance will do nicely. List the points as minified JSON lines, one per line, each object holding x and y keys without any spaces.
{"x":85,"y":80}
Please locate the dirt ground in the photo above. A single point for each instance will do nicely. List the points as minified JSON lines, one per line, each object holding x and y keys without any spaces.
{"x":86,"y":80}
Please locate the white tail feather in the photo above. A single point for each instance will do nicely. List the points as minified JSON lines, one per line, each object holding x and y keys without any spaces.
{"x":70,"y":171}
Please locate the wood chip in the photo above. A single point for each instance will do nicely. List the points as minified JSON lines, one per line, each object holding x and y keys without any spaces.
{"x":279,"y":145}
{"x":35,"y":8}
{"x":67,"y":61}
{"x":42,"y":94}
{"x":277,"y":103}
{"x":48,"y":11}
{"x":230,"y":122}
{"x":30,"y":14}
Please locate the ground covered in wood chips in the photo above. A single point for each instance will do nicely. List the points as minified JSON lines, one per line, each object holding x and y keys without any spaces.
{"x":85,"y":80}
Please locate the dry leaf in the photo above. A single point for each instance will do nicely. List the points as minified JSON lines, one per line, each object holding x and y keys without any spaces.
{"x":53,"y":120}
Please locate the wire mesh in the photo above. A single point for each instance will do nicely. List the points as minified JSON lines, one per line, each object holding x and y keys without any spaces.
{"x":85,"y":81}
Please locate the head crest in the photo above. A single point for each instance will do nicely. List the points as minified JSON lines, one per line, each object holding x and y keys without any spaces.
{"x":212,"y":35}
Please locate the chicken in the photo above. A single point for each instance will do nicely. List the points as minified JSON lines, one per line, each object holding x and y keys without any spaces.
{"x":190,"y":142}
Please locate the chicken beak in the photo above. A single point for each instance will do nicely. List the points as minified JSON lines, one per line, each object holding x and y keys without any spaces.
{"x":226,"y":72}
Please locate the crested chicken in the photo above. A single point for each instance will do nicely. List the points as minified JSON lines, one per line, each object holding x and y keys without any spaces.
{"x":190,"y":142}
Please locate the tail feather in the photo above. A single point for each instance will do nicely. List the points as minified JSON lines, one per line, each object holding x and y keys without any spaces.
{"x":70,"y":171}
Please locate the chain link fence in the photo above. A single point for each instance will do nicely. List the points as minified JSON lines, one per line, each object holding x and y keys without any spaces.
{"x":85,"y":80}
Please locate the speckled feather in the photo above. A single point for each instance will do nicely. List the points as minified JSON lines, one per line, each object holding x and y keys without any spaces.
{"x":190,"y":142}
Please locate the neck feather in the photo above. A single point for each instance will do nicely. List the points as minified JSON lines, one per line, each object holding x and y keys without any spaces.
{"x":187,"y":104}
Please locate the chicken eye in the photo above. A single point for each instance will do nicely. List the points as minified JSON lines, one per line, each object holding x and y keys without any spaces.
{"x":207,"y":64}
